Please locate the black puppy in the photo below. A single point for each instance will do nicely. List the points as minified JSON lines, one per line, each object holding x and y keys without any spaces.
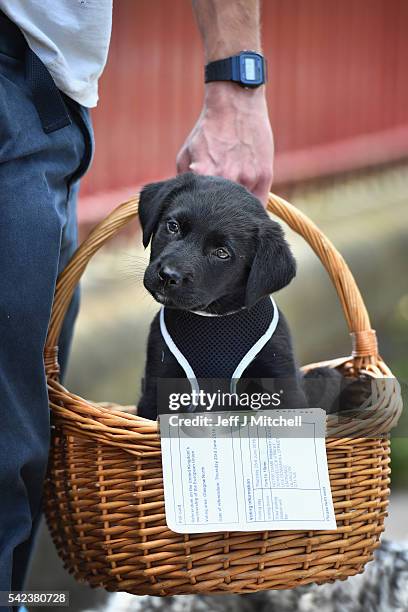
{"x":216,"y":256}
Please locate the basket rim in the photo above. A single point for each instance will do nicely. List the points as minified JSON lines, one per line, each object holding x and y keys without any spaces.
{"x":107,"y":421}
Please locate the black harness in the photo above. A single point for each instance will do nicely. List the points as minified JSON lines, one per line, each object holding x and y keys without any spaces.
{"x":218,"y":346}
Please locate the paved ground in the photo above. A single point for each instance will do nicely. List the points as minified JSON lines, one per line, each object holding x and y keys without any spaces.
{"x":396,"y":526}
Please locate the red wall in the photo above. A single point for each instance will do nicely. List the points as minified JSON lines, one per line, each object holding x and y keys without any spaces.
{"x":338,"y":89}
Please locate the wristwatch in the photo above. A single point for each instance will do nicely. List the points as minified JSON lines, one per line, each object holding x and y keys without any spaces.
{"x":248,"y":69}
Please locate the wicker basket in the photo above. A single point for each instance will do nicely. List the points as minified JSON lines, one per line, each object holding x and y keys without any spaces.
{"x":104,"y":492}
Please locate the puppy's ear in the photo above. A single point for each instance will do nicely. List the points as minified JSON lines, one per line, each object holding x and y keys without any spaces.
{"x":274,"y":265}
{"x":153,"y":200}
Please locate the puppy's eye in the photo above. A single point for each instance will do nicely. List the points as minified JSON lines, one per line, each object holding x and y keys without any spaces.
{"x":173,"y":227}
{"x":222,"y":253}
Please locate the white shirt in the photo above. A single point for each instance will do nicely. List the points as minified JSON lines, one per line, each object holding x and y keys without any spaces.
{"x":71,"y":37}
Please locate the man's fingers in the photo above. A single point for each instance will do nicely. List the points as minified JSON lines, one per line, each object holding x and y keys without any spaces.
{"x":252,"y":172}
{"x":238,"y":173}
{"x":263,"y":186}
{"x":262,"y":195}
{"x":201,"y":167}
{"x":258,"y":184}
{"x":248,"y":178}
{"x":183,"y":161}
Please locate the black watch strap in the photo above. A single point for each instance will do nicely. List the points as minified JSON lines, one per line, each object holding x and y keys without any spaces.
{"x":247,"y":68}
{"x":221,"y":70}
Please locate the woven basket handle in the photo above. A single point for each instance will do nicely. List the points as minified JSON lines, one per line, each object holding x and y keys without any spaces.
{"x":363,"y":337}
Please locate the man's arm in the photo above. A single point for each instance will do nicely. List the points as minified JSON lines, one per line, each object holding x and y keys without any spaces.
{"x":233,"y":136}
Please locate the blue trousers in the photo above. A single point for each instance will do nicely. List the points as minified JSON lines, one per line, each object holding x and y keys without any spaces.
{"x":39,"y":180}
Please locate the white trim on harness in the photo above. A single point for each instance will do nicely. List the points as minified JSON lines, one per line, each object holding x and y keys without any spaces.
{"x":178,"y":354}
{"x":243,"y":364}
{"x":256,"y":348}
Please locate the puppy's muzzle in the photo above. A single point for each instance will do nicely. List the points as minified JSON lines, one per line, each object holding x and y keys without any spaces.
{"x":171,"y":277}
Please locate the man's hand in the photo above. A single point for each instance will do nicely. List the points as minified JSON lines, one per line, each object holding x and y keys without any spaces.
{"x":232,"y":138}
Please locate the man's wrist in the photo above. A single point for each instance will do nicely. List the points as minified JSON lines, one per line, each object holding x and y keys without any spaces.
{"x":221,"y":50}
{"x":222,"y":93}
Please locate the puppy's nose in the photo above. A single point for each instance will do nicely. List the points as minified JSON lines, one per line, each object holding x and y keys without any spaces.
{"x":170,"y":276}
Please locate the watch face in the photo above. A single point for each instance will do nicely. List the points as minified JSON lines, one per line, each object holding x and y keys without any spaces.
{"x":249,"y":65}
{"x":251,"y":69}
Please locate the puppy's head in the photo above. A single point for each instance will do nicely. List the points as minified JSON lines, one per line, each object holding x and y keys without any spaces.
{"x":213,"y":246}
